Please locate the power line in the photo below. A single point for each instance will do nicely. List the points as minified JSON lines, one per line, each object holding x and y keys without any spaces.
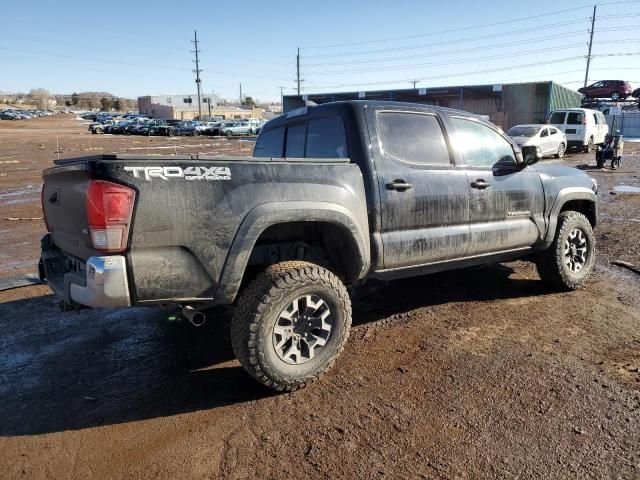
{"x":405,"y":37}
{"x":448,"y":42}
{"x":455,"y":62}
{"x":449,"y":52}
{"x":404,"y":80}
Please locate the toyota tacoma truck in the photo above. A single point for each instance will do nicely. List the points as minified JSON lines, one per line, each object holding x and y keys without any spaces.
{"x":333,"y":195}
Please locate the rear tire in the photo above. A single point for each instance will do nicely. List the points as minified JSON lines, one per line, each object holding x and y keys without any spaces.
{"x":567,"y":263}
{"x":589,"y":146}
{"x":615,"y":96}
{"x":290,"y":324}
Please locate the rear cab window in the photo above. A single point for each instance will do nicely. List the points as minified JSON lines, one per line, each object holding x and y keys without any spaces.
{"x":270,"y":143}
{"x":316,"y":138}
{"x":326,"y":138}
{"x":296,"y":137}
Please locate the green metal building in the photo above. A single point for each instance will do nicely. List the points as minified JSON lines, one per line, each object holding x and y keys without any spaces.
{"x":506,"y":104}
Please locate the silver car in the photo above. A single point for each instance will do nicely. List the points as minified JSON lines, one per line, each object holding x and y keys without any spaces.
{"x":239,"y":128}
{"x":546,"y":140}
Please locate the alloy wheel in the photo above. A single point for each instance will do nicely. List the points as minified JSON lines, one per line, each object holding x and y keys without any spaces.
{"x":302,"y":329}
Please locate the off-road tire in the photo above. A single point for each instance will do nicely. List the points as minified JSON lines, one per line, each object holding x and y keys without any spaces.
{"x":551,"y":263}
{"x":259,"y":308}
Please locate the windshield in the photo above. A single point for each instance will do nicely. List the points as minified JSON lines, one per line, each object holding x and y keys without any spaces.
{"x":523,"y":131}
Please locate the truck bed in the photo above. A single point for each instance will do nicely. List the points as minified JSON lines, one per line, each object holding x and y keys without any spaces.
{"x":188,"y":212}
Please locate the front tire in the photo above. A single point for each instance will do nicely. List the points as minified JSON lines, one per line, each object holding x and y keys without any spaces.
{"x":567,"y":263}
{"x":290,"y":324}
{"x":561,"y":150}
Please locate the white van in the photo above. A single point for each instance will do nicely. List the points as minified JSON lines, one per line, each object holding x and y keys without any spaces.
{"x":584,"y":128}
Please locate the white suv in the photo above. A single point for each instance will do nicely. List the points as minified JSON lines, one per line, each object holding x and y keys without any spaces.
{"x":584,"y":128}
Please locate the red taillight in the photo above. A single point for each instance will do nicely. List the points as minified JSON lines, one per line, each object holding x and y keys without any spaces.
{"x":44,"y":214}
{"x":109,"y":210}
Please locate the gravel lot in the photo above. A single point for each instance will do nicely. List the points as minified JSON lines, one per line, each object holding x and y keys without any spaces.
{"x":481,"y":373}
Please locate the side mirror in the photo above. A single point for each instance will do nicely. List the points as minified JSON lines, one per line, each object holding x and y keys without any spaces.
{"x":519,"y":158}
{"x":531,"y":155}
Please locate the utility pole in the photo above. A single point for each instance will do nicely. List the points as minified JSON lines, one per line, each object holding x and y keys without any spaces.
{"x":240,"y":93}
{"x":197,"y":72}
{"x":593,"y":22}
{"x":298,"y":70}
{"x":414,"y":83}
{"x":281,"y":96}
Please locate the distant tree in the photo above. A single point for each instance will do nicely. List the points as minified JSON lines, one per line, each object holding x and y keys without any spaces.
{"x":248,"y":101}
{"x":39,"y":97}
{"x":67,"y":103}
{"x":75,"y":99}
{"x":106,"y":103}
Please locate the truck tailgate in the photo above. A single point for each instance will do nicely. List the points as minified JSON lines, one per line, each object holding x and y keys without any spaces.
{"x":64,"y":204}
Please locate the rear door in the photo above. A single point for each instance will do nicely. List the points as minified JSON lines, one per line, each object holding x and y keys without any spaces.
{"x":424,"y":198}
{"x":506,"y":201}
{"x":545,"y":141}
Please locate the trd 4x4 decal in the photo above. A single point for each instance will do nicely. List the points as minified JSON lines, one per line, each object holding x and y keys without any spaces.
{"x":188,"y":173}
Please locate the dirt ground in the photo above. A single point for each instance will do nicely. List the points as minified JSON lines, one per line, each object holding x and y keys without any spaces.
{"x":482,"y":373}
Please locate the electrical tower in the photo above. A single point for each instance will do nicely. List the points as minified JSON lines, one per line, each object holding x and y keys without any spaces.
{"x":197,"y":71}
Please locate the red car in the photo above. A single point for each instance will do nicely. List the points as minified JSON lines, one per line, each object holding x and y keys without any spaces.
{"x":613,"y":89}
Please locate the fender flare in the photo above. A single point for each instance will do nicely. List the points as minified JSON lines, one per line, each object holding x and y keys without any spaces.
{"x":566,"y":195}
{"x":268,"y":214}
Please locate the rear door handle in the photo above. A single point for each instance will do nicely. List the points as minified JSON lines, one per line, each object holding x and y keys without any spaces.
{"x":399,"y":185}
{"x":480,"y":184}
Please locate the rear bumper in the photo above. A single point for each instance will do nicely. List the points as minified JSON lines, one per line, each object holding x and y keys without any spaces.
{"x":575,"y":143}
{"x":99,"y":282}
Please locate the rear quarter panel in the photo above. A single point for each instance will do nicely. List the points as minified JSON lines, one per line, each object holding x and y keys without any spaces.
{"x":183,"y":230}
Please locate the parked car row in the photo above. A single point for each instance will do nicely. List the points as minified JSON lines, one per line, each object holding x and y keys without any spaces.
{"x":18,"y":114}
{"x":139,"y":125}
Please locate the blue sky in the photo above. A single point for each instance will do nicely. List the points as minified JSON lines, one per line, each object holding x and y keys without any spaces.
{"x":138,"y":48}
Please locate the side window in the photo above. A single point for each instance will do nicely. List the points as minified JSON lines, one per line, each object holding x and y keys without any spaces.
{"x":270,"y":143}
{"x":552,"y":131}
{"x":557,"y":118}
{"x":413,"y":137}
{"x":544,"y":132}
{"x":574,"y":118}
{"x":479,"y":145}
{"x":596,"y":119}
{"x":295,"y":141}
{"x":326,"y":138}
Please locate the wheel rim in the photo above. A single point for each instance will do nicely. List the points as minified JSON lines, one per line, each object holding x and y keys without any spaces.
{"x":615,"y":96}
{"x":302,"y":329}
{"x":561,"y":150}
{"x":575,"y":250}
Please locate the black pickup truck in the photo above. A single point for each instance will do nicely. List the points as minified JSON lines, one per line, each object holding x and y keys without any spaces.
{"x":333,"y":195}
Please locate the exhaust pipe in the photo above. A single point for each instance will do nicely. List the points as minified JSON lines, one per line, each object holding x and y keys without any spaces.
{"x":195,"y":317}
